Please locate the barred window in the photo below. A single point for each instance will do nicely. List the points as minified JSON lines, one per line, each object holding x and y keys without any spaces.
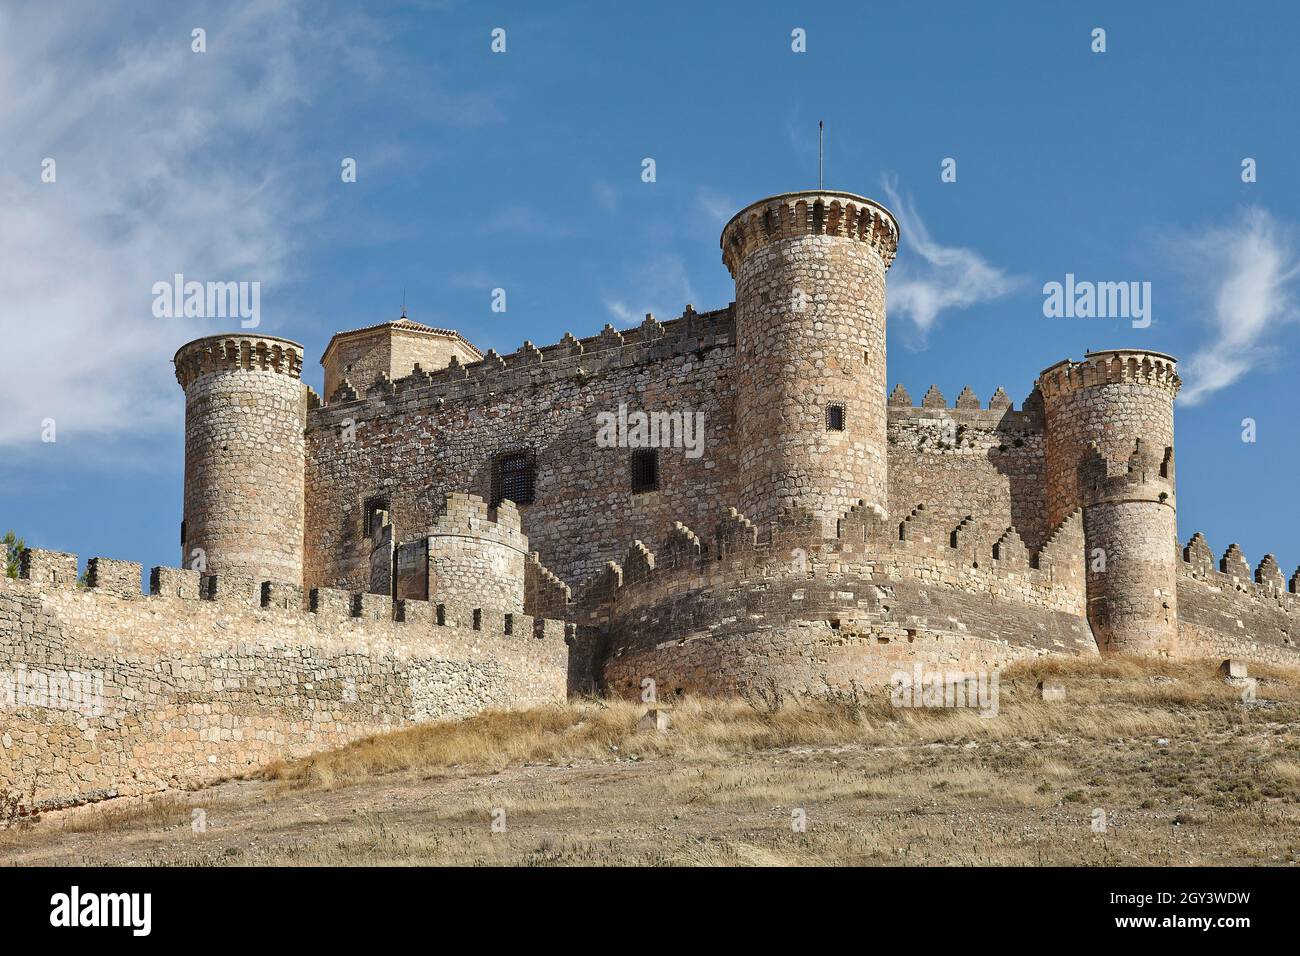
{"x":645,"y":470}
{"x":835,"y":417}
{"x":513,"y":476}
{"x":374,"y":516}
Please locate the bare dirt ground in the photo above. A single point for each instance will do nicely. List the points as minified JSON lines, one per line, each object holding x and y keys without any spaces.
{"x":1185,"y":772}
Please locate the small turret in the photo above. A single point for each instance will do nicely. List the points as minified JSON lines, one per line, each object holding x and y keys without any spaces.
{"x":245,"y":410}
{"x":1110,"y":451}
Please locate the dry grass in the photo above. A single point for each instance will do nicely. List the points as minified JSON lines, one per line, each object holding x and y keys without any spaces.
{"x":1185,"y":772}
{"x":1106,"y":699}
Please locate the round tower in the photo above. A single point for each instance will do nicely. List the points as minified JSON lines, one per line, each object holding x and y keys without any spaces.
{"x":1110,"y":451}
{"x":245,"y":412}
{"x":810,"y":270}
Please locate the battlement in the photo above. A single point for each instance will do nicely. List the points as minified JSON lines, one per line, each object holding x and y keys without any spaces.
{"x":809,"y":213}
{"x":212,"y":675}
{"x":919,"y":545}
{"x":1110,"y":367}
{"x":1148,"y":474}
{"x":234,"y":351}
{"x":1233,"y":571}
{"x":466,"y":515}
{"x":530,"y":365}
{"x":966,"y":401}
{"x":52,"y":571}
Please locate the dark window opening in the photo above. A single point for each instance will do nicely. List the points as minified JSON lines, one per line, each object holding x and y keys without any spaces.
{"x":514,"y":476}
{"x":374,"y":516}
{"x":819,"y":217}
{"x":182,"y":532}
{"x":645,"y":470}
{"x":835,"y":417}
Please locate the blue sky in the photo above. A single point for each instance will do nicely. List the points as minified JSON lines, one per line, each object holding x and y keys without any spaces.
{"x":522,"y":170}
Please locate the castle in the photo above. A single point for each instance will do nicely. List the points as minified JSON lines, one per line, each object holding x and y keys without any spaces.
{"x":446,"y":530}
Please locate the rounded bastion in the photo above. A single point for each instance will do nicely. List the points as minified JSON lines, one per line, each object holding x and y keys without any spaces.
{"x":1110,"y":450}
{"x":245,"y":411}
{"x":810,"y":271}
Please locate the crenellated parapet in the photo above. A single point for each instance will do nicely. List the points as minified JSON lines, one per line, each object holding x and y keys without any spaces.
{"x":530,"y":365}
{"x":864,"y":537}
{"x":1111,"y":367}
{"x":50,"y":572}
{"x":108,"y":690}
{"x":1147,"y":475}
{"x":810,"y":213}
{"x":1226,"y":609}
{"x":234,"y":352}
{"x":880,"y":593}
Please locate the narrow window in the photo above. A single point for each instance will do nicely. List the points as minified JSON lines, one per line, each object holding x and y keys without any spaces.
{"x":510,"y":624}
{"x":478,"y":619}
{"x":835,"y":417}
{"x":374,"y":516}
{"x":513,"y":477}
{"x":182,"y":532}
{"x":819,"y":217}
{"x":645,"y":470}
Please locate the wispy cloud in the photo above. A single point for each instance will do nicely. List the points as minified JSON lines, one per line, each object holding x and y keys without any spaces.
{"x":717,"y":207}
{"x":930,"y":278}
{"x":1247,"y":272}
{"x":519,"y":220}
{"x":167,"y":161}
{"x":660,"y":286}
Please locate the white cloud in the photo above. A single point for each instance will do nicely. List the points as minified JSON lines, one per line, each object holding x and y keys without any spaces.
{"x":519,"y":220}
{"x":167,"y":161}
{"x":661,"y":286}
{"x":929,"y":279}
{"x":718,"y":208}
{"x":1246,"y":270}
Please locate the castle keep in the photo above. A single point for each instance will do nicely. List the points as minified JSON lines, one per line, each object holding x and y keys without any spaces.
{"x":442,"y":530}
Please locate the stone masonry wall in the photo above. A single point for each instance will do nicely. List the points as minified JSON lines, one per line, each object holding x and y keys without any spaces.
{"x":1225,"y":610}
{"x":474,"y":553}
{"x":714,"y":616}
{"x":245,"y":408}
{"x":179,"y":689}
{"x":420,"y":438}
{"x":966,"y":461}
{"x":810,"y":334}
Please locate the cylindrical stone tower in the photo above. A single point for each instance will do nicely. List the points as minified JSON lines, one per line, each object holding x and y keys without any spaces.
{"x":1110,"y":451}
{"x":245,"y":411}
{"x":810,"y":353}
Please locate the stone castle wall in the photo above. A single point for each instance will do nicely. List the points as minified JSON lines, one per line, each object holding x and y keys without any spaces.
{"x":713,"y":615}
{"x":986,"y":463}
{"x":421,"y":438}
{"x":212,"y":676}
{"x":1225,"y":610}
